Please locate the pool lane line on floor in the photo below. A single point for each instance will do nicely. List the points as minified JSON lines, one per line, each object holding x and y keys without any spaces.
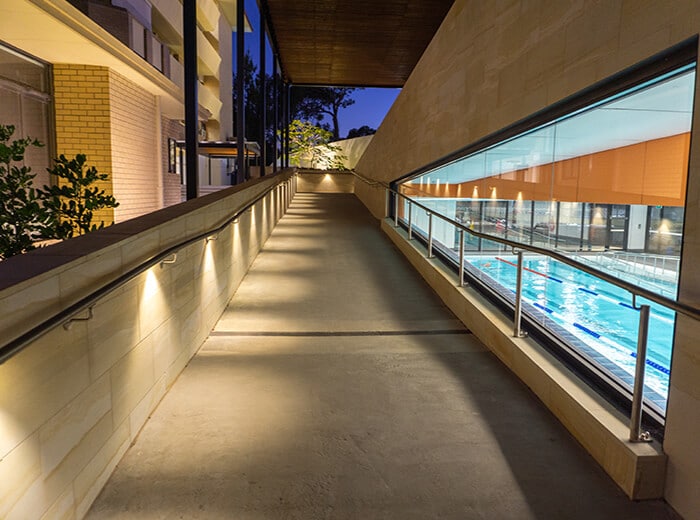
{"x":531,"y":270}
{"x":583,"y":328}
{"x":585,"y":290}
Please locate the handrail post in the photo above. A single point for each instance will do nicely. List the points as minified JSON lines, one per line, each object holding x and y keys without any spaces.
{"x":430,"y":235}
{"x":636,"y":433}
{"x":396,"y":209}
{"x":517,"y":332}
{"x":461,"y":258}
{"x":410,"y":215}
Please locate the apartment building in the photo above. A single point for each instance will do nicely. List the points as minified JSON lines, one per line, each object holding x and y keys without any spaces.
{"x":105,"y":78}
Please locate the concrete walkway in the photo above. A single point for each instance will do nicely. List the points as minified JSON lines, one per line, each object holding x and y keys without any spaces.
{"x":337,"y":385}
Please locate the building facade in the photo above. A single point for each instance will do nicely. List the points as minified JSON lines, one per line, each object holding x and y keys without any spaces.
{"x":105,"y":78}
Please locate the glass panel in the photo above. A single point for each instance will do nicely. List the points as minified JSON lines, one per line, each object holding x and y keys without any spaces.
{"x":606,"y":185}
{"x":22,"y":70}
{"x":570,"y":226}
{"x":35,"y":124}
{"x":10,"y":109}
{"x":544,"y":228}
{"x":665,"y":230}
{"x":598,"y":229}
{"x":24,"y":105}
{"x":618,"y":226}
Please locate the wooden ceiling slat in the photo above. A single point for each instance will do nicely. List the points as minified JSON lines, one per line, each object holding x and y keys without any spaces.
{"x":353,"y":42}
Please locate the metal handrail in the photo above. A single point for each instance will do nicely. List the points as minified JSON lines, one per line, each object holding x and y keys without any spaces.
{"x":680,"y":307}
{"x":636,"y":432}
{"x":369,"y":181}
{"x":66,"y":316}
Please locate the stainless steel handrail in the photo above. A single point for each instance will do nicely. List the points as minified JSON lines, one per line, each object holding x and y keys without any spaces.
{"x":682,"y":308}
{"x":67,"y":315}
{"x":636,"y":433}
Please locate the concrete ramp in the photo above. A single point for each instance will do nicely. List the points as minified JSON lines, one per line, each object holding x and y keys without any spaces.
{"x":337,"y":385}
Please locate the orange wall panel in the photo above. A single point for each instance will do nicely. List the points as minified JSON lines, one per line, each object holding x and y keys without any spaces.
{"x":653,"y":173}
{"x":666,"y":170}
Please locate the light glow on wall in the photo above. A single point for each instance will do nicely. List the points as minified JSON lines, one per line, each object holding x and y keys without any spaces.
{"x":151,"y":287}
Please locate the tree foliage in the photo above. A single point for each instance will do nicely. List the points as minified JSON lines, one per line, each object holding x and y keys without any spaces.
{"x":362,"y":131}
{"x":314,"y":103}
{"x":311,"y":143}
{"x":306,"y":103}
{"x":73,"y":200}
{"x":253,"y":119}
{"x":23,"y":219}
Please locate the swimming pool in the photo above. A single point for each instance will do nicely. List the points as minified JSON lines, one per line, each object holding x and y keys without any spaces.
{"x":598,"y":314}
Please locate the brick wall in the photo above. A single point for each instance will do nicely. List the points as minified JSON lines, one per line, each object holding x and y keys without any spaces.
{"x":82,"y":106}
{"x":112,"y":121}
{"x":135,"y":155}
{"x":171,"y":181}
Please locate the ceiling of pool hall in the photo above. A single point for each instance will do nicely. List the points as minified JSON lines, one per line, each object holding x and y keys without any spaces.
{"x":661,"y":110}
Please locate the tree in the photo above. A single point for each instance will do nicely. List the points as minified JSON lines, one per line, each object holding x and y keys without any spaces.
{"x":362,"y":131}
{"x":23,"y":219}
{"x":309,"y":142}
{"x":73,"y":200}
{"x":313,"y":103}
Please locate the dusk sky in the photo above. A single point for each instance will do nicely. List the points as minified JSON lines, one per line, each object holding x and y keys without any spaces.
{"x":371,"y":104}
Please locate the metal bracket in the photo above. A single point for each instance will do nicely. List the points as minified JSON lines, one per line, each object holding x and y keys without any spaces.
{"x":171,"y":260}
{"x":644,"y":436}
{"x":634,"y":302}
{"x":68,"y":324}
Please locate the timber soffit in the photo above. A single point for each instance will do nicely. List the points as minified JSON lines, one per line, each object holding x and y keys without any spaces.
{"x":352,"y":42}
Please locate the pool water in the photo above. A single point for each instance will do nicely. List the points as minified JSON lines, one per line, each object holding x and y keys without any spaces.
{"x":597,"y":313}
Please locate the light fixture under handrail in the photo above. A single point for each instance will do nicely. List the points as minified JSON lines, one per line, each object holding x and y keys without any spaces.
{"x":68,"y":314}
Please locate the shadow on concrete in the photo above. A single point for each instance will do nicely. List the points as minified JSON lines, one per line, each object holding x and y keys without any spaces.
{"x":353,"y":425}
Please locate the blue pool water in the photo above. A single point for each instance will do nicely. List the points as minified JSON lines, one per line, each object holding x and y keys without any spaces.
{"x":597,"y":313}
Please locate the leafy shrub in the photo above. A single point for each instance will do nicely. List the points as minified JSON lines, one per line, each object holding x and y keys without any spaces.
{"x":308,"y":142}
{"x":23,"y":218}
{"x":73,"y":200}
{"x":29,"y":215}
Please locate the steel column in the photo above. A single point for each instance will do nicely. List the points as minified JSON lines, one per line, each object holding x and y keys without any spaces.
{"x":276,"y":101}
{"x":263,"y":97}
{"x":461,"y":258}
{"x":396,"y":210}
{"x":636,"y":433}
{"x":189,"y":31}
{"x":240,"y":93}
{"x":430,"y":235}
{"x":517,"y":332}
{"x":287,"y":122}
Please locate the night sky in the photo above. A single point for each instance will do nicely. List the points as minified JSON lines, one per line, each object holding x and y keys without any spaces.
{"x":371,"y":104}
